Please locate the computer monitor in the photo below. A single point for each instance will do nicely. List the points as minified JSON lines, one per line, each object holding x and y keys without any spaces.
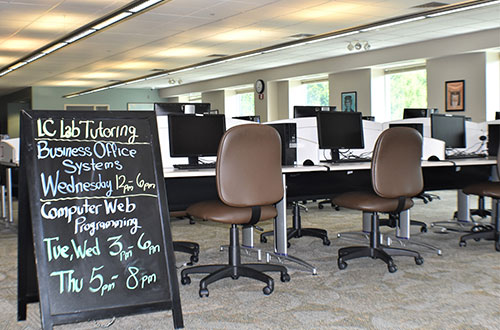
{"x":414,"y":113}
{"x":497,"y":115}
{"x":493,"y":139}
{"x":340,"y":130}
{"x":163,"y":109}
{"x":255,"y":118}
{"x":417,"y":126}
{"x":194,"y":136}
{"x":310,"y":110}
{"x":450,"y":129}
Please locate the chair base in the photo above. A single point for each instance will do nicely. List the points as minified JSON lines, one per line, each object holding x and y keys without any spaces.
{"x":381,"y":252}
{"x":486,"y":232}
{"x":376,"y":250}
{"x":489,"y":232}
{"x":297,"y":231}
{"x":190,"y":248}
{"x":234,"y":269}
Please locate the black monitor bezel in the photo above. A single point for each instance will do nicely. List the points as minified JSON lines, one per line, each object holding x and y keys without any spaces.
{"x":311,"y":110}
{"x":177,"y":108}
{"x":320,"y":128}
{"x":435,"y":134}
{"x":175,"y":153}
{"x":407,"y":113}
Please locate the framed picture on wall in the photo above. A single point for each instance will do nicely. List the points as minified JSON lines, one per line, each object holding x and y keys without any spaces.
{"x":455,"y":95}
{"x":349,"y":101}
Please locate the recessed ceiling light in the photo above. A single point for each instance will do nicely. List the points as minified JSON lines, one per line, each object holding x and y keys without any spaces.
{"x":217,"y":55}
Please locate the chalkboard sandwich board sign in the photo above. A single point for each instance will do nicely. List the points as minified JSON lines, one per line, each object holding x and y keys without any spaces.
{"x":98,"y":208}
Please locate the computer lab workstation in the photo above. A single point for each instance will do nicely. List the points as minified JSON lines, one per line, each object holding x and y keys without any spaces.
{"x":334,"y":155}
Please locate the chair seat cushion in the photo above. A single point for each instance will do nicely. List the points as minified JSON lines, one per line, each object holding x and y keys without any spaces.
{"x":369,"y":202}
{"x":488,"y":189}
{"x":220,"y":212}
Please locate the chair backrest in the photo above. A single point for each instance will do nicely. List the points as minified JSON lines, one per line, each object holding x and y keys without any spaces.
{"x":248,"y":168}
{"x":396,"y":163}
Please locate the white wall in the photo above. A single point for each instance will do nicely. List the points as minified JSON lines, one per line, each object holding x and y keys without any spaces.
{"x":216,"y":100}
{"x":468,"y":67}
{"x":358,"y":81}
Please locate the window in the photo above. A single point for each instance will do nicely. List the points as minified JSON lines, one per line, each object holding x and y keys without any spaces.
{"x":316,"y":93}
{"x":240,"y":103}
{"x":405,"y":88}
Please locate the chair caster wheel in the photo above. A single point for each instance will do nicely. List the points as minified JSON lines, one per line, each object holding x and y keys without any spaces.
{"x":423,"y":229}
{"x":203,"y":293}
{"x":263,"y":239}
{"x":419,"y":260}
{"x":194,"y":259}
{"x":477,"y":239}
{"x":186,"y":280}
{"x":337,"y":208}
{"x":462,"y":244}
{"x":326,"y":241}
{"x":497,"y":246}
{"x":392,"y":268}
{"x":268,"y":290}
{"x":288,"y":244}
{"x":285,"y":277}
{"x":342,"y":264}
{"x":320,"y":206}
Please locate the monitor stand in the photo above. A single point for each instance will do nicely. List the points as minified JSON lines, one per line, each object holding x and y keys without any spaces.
{"x":335,"y":155}
{"x":193,"y":160}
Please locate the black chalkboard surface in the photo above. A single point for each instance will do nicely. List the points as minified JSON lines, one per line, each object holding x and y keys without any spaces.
{"x":98,"y":209}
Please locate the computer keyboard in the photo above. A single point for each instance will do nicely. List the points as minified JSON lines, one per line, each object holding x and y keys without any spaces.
{"x":353,"y":160}
{"x":465,"y":156}
{"x":194,"y":166}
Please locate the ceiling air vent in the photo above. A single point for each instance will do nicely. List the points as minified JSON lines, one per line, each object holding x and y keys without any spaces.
{"x":431,"y":5}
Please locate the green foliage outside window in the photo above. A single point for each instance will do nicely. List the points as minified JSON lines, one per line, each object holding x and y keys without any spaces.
{"x":246,"y":104}
{"x":407,"y":90}
{"x":317,"y":93}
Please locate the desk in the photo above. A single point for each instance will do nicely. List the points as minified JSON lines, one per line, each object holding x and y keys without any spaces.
{"x":315,"y":182}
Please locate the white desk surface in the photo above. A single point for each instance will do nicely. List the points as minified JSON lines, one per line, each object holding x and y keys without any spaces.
{"x":171,"y":172}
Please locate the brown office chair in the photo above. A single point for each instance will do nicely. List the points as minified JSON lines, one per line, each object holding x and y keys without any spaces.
{"x":487,"y":232}
{"x":396,"y":177}
{"x":249,"y":183}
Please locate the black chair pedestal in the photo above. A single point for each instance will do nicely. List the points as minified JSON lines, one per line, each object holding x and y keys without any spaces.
{"x":235,"y":269}
{"x":376,"y":250}
{"x":488,"y":232}
{"x":190,"y":248}
{"x":297,"y":231}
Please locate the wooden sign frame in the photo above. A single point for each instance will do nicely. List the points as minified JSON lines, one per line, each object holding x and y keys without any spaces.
{"x":90,"y":301}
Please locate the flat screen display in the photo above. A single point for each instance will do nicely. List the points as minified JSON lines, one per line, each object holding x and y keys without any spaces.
{"x":450,"y":129}
{"x":340,"y":130}
{"x":192,"y":135}
{"x":417,"y":126}
{"x":310,"y":110}
{"x":163,"y":109}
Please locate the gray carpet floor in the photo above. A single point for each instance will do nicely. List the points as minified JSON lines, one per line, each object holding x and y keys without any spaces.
{"x":458,"y":290}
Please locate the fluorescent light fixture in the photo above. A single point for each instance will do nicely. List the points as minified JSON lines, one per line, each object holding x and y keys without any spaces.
{"x":17,"y":65}
{"x":5,"y":72}
{"x":144,"y":5}
{"x":451,"y":11}
{"x":376,"y":27}
{"x":181,"y":70}
{"x":80,"y":35}
{"x":54,"y":48}
{"x":134,"y":81}
{"x":112,"y":20}
{"x":35,"y":57}
{"x":331,"y":37}
{"x":281,"y":48}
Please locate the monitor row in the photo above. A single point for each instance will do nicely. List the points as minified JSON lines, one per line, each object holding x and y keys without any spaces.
{"x":196,"y":136}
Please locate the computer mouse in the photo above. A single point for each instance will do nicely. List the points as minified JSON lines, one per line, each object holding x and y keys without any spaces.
{"x":308,"y":162}
{"x":433,"y":159}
